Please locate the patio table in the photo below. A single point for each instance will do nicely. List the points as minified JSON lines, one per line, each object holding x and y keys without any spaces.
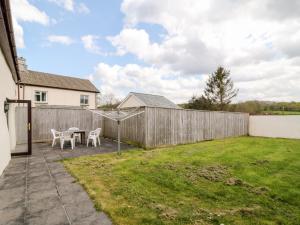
{"x":82,"y":135}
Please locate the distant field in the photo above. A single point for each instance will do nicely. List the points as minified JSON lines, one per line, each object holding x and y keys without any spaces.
{"x":281,"y":112}
{"x":240,"y":181}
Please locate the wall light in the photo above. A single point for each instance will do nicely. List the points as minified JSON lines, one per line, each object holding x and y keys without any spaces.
{"x":6,"y":107}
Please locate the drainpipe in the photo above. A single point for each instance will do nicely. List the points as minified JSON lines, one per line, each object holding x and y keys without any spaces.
{"x":18,"y":85}
{"x":23,"y":91}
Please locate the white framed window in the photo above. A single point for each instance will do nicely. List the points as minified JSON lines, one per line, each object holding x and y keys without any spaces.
{"x":84,"y":100}
{"x":40,"y":96}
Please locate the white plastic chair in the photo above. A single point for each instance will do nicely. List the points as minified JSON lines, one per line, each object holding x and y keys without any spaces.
{"x":67,"y":136}
{"x":56,"y":135}
{"x":76,"y":136}
{"x":94,"y":136}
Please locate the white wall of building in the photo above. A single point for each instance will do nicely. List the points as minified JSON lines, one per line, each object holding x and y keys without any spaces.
{"x":58,"y":96}
{"x":275,"y":126}
{"x":7,"y":90}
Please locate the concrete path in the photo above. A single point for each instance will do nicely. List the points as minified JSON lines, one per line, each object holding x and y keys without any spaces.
{"x":37,"y":190}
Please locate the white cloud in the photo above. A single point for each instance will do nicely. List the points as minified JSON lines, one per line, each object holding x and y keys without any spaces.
{"x":19,"y":34}
{"x":61,"y":39}
{"x":23,"y":11}
{"x":178,"y":53}
{"x":90,"y":44}
{"x":132,"y":77}
{"x":66,"y":4}
{"x":276,"y":80}
{"x":82,"y":8}
{"x":72,"y":6}
{"x":257,"y":40}
{"x":263,"y":81}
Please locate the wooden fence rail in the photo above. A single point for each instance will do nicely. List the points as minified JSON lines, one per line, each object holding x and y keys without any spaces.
{"x":155,"y":127}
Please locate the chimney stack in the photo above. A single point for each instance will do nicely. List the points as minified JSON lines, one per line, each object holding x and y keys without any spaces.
{"x":22,"y":64}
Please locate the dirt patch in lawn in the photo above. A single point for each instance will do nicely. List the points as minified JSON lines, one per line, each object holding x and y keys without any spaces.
{"x":165,"y":212}
{"x":212,"y":173}
{"x":169,"y":213}
{"x":174,"y":166}
{"x":243,"y":210}
{"x":234,"y":182}
{"x":203,"y":215}
{"x":238,"y":182}
{"x":260,"y":190}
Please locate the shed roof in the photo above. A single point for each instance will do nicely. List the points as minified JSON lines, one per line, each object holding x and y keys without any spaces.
{"x":35,"y":78}
{"x":155,"y":100}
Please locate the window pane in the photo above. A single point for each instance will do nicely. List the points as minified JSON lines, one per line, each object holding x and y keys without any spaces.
{"x":44,"y":98}
{"x":84,"y":99}
{"x":37,"y":96}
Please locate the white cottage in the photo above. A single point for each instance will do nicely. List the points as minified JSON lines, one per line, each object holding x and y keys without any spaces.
{"x":55,"y":90}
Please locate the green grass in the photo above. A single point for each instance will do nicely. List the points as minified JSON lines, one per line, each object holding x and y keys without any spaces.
{"x":281,"y":112}
{"x":234,"y":181}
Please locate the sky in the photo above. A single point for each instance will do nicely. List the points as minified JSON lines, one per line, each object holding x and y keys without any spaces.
{"x":165,"y":47}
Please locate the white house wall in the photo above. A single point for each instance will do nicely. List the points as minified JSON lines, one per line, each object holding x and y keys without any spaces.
{"x":58,"y":96}
{"x":7,"y":90}
{"x":275,"y":126}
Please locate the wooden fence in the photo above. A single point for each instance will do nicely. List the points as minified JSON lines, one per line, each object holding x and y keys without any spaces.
{"x":155,"y":127}
{"x":132,"y":129}
{"x":44,"y":119}
{"x":178,"y":126}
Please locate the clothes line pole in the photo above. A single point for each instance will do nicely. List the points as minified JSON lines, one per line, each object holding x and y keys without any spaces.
{"x":119,"y":137}
{"x":118,"y":116}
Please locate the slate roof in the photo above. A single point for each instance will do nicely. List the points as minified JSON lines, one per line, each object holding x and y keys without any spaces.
{"x":155,"y":100}
{"x":34,"y":78}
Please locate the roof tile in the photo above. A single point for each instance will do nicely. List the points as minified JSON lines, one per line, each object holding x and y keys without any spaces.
{"x":155,"y":100}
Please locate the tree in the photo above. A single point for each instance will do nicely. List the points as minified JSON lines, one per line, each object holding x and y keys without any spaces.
{"x":220,"y":89}
{"x":199,"y":103}
{"x":252,"y":107}
{"x":108,"y":101}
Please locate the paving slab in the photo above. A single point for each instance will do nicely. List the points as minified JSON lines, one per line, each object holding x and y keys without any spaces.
{"x":93,"y":220}
{"x":12,"y":216}
{"x":42,"y":194}
{"x":35,"y":207}
{"x":37,"y":189}
{"x":9,"y":182}
{"x":54,"y":216}
{"x":12,"y":197}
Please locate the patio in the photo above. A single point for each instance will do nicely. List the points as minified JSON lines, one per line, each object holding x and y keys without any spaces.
{"x":38,"y":190}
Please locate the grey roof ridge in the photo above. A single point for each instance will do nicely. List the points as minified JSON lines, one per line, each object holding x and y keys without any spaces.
{"x":132,"y":92}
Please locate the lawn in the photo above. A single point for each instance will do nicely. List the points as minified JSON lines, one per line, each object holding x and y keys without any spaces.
{"x":242,"y":180}
{"x":281,"y":112}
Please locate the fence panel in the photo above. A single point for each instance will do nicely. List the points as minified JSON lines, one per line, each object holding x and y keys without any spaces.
{"x":179,"y":126}
{"x":132,"y":129}
{"x":44,"y":119}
